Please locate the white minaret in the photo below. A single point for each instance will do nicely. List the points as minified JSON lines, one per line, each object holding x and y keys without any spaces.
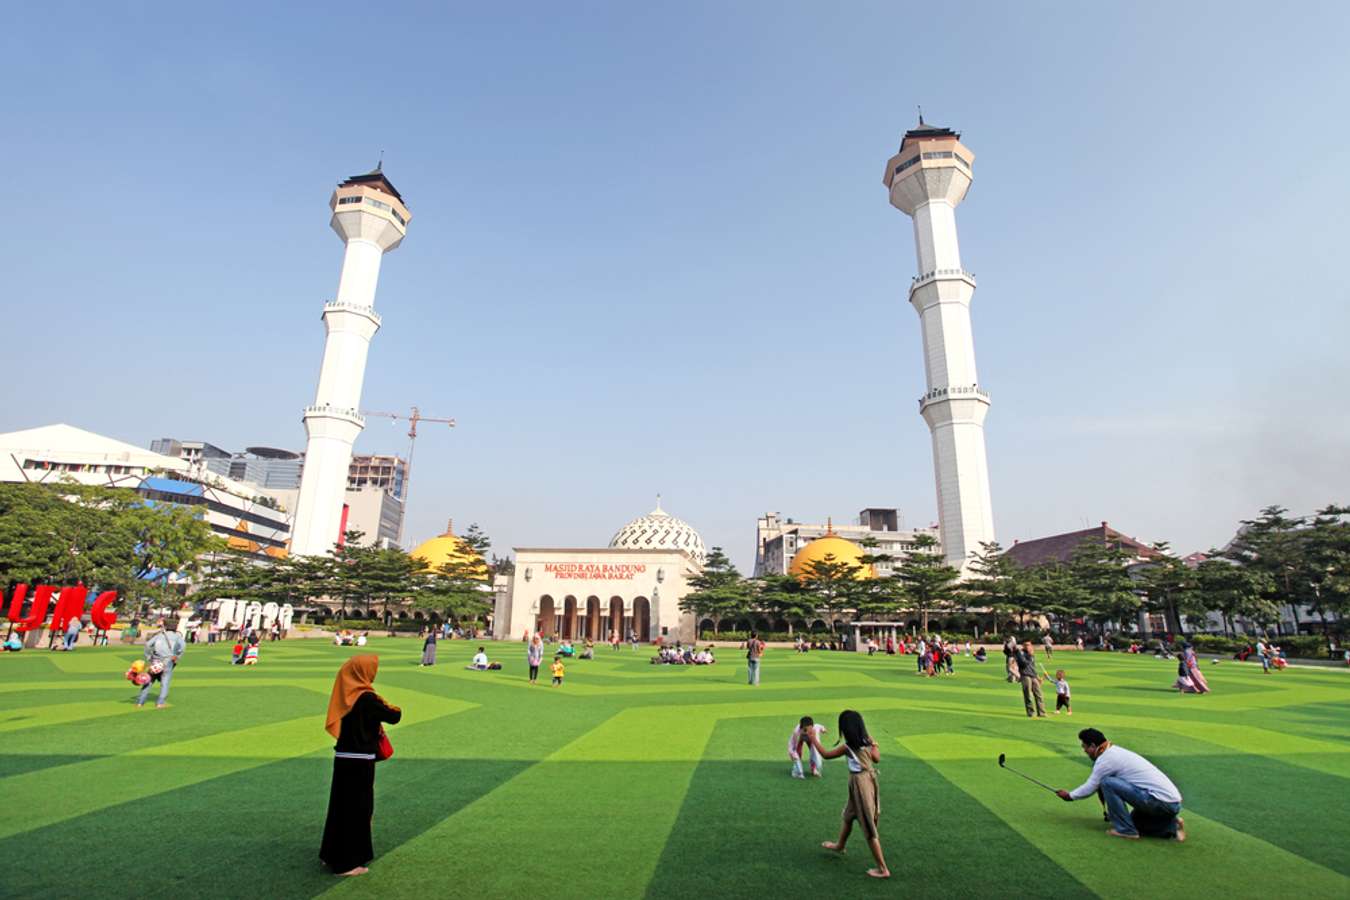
{"x":927,"y":179}
{"x":369,"y":216}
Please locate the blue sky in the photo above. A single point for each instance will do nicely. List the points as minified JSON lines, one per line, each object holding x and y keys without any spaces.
{"x":651,"y":250}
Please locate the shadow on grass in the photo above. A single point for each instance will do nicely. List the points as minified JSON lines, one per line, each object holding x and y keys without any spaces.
{"x":753,"y":831}
{"x":249,"y":834}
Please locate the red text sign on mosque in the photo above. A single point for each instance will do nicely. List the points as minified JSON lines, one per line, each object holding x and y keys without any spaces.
{"x":596,"y":571}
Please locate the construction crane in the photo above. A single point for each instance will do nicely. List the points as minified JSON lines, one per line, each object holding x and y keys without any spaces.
{"x":412,"y":420}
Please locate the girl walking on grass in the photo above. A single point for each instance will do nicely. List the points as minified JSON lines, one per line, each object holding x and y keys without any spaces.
{"x":864,"y":801}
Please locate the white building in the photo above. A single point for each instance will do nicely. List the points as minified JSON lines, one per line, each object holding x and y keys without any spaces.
{"x":242,"y":514}
{"x":370,"y":217}
{"x":927,"y":179}
{"x":632,"y":586}
{"x":777,"y":539}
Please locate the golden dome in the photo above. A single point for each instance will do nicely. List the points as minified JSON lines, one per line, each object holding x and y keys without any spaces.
{"x":840,"y":550}
{"x":447,"y":548}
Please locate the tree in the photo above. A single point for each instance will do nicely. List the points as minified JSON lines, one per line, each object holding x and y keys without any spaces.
{"x":457,"y":587}
{"x":1098,"y":575}
{"x":833,"y":584}
{"x":1233,"y":590}
{"x":929,"y":583}
{"x":104,"y":538}
{"x":1270,"y":545}
{"x":994,"y":581}
{"x":784,"y":597}
{"x":1169,"y":587}
{"x":719,"y":592}
{"x":1326,"y":552}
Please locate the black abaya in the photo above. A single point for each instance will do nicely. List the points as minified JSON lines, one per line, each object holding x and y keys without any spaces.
{"x":351,"y":799}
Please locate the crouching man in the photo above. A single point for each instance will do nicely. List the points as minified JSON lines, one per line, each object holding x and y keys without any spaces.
{"x":1139,"y":798}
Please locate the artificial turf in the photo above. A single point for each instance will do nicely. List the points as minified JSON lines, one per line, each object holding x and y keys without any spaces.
{"x":633,"y":780}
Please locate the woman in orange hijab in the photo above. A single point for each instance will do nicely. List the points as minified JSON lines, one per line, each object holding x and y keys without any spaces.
{"x":355,"y":714}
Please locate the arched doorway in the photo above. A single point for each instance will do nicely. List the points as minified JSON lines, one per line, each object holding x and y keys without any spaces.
{"x":705,"y":627}
{"x":569,"y":617}
{"x":642,"y":619}
{"x":547,"y":621}
{"x":594,"y":626}
{"x":616,"y":617}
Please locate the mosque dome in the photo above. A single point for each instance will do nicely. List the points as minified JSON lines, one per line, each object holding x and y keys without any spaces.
{"x":840,"y":550}
{"x":658,"y":530}
{"x":448,"y":548}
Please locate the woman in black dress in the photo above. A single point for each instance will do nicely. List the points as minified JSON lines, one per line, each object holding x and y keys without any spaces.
{"x":355,"y":714}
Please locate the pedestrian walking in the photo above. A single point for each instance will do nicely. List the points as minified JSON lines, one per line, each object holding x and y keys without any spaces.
{"x":534,"y":656}
{"x":754,"y":650}
{"x":161,"y":655}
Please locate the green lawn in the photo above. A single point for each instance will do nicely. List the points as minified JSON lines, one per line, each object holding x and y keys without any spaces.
{"x":634,"y":780}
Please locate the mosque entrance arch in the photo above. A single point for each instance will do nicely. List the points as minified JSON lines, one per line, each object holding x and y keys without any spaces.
{"x":642,"y":618}
{"x":548,"y":615}
{"x":616,"y":623}
{"x":569,"y":617}
{"x":594,"y":626}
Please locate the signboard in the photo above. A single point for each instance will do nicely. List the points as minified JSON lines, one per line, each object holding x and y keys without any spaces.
{"x":595,"y":571}
{"x":69,"y":605}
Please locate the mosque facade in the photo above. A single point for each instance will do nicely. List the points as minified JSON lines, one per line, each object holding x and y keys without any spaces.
{"x":632,"y":587}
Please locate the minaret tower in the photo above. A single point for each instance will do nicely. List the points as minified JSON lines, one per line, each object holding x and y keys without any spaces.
{"x":369,"y":216}
{"x":927,"y":179}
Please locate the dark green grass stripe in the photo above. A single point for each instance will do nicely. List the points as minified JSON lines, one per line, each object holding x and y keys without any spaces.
{"x":262,"y":834}
{"x":745,"y":825}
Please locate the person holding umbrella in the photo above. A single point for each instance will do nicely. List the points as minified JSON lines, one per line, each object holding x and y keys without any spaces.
{"x":1125,"y":778}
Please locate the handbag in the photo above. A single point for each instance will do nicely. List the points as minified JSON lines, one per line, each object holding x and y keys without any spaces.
{"x":383,"y":749}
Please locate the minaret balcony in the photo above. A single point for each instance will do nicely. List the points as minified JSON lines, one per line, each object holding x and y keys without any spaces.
{"x":326,"y":410}
{"x":367,"y":311}
{"x":941,"y":275}
{"x":954,"y":392}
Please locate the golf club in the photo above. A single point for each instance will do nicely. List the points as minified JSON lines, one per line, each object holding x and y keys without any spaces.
{"x":1002,"y":764}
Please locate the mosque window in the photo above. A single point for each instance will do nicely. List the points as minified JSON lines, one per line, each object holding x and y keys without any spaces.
{"x":941,"y":154}
{"x":400,"y":218}
{"x":906,"y":164}
{"x":962,"y":160}
{"x":343,"y":201}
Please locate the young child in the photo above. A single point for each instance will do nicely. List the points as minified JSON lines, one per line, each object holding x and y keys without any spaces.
{"x":251,"y":655}
{"x":557,"y":669}
{"x":237,"y":655}
{"x":799,"y":740}
{"x":1062,"y":693}
{"x":864,"y":802}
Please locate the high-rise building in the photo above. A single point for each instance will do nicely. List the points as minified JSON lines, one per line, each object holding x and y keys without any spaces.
{"x":375,"y":484}
{"x":927,"y":179}
{"x":777,"y":539}
{"x":370,"y":217}
{"x":246,"y":517}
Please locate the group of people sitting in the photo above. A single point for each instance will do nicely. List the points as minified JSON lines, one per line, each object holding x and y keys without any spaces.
{"x":802,"y":645}
{"x":481,"y":663}
{"x":682,"y":655}
{"x":245,"y":652}
{"x":345,"y":638}
{"x":567,"y":649}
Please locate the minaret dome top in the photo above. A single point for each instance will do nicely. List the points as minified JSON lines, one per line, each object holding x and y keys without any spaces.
{"x":376,"y":179}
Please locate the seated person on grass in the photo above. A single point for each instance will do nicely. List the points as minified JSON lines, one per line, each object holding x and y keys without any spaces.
{"x":480,"y":661}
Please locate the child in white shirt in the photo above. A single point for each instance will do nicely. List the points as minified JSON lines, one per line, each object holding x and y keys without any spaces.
{"x":1062,"y":693}
{"x":798,"y":740}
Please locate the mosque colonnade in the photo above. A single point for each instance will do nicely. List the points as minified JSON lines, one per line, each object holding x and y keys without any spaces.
{"x":592,"y":617}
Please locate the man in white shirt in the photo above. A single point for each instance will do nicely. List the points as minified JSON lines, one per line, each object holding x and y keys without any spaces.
{"x":1123,"y":777}
{"x":480,"y":660}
